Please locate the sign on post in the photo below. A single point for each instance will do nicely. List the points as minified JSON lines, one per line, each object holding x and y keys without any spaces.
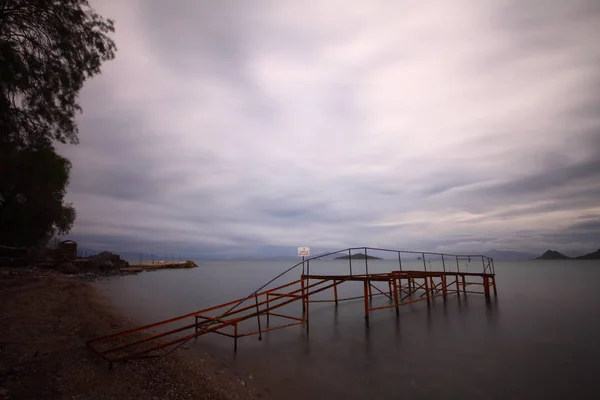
{"x":303,"y":252}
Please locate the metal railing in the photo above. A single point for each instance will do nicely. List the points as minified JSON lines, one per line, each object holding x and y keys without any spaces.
{"x":487,"y":264}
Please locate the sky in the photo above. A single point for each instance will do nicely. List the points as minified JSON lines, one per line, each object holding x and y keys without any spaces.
{"x":248,"y":128}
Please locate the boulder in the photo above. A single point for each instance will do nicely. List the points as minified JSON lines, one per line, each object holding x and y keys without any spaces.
{"x":68,"y":268}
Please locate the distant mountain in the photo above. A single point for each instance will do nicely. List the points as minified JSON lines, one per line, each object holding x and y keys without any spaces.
{"x":358,"y":256}
{"x":590,"y":256}
{"x":553,"y":255}
{"x":509,"y":255}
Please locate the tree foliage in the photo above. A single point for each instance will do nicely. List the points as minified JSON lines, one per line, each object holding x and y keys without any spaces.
{"x":32,"y":189}
{"x":48,"y":48}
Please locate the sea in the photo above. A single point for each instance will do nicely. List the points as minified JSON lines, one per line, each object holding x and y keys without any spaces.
{"x":538,"y":339}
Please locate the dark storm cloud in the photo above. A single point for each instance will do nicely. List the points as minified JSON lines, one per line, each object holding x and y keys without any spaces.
{"x":237,"y":127}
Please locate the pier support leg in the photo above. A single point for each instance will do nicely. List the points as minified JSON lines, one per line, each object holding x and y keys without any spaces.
{"x":307,"y":311}
{"x":303,"y":298}
{"x":366,"y":284}
{"x":393,"y":282}
{"x":258,"y":317}
{"x":335,"y":292}
{"x":494,"y":282}
{"x":390,"y":287}
{"x":196,"y":327}
{"x":464,"y":284}
{"x":235,"y":337}
{"x":457,"y":287}
{"x":267,"y":310}
{"x":427,"y":290}
{"x":486,"y":287}
{"x":444,"y":287}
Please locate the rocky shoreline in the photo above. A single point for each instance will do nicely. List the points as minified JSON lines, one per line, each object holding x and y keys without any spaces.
{"x":47,"y":317}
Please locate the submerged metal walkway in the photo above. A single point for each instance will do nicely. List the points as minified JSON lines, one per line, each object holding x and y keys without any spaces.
{"x":242,"y":317}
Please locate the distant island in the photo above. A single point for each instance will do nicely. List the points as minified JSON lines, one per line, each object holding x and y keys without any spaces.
{"x":358,"y":256}
{"x":552,"y":255}
{"x":555,"y":255}
{"x":590,"y":256}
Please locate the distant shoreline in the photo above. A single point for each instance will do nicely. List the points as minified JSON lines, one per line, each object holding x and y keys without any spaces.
{"x":556,"y":255}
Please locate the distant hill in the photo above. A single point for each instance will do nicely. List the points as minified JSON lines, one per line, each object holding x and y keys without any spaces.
{"x":553,"y":255}
{"x":590,"y":256}
{"x":509,"y":255}
{"x":358,"y":256}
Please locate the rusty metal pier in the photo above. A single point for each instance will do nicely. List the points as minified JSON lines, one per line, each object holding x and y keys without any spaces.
{"x":256,"y":313}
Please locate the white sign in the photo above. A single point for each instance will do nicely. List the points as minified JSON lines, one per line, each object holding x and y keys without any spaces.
{"x":303,"y":252}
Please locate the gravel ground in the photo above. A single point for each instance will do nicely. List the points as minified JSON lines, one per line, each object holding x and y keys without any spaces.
{"x":45,"y":320}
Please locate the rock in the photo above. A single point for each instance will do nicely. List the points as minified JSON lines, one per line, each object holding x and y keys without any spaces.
{"x":68,"y":268}
{"x":107,"y":261}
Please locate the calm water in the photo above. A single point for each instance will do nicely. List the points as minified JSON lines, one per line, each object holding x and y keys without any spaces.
{"x":539,"y":339}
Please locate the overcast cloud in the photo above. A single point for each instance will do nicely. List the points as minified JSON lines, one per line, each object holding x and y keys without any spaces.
{"x":252,"y":127}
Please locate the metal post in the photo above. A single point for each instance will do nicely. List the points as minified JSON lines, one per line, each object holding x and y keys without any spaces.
{"x":366,"y":263}
{"x":307,"y":309}
{"x":424,"y":264}
{"x":267,"y":310}
{"x":399,"y":261}
{"x":457,"y":266}
{"x":431,"y":284}
{"x":335,"y":291}
{"x":457,"y":287}
{"x":396,"y":296}
{"x":494,"y":282}
{"x":302,"y":265}
{"x":350,"y":260}
{"x":443,"y":264}
{"x":235,"y":336}
{"x":444,"y":288}
{"x":483,"y":263}
{"x":303,"y":295}
{"x":366,"y":294}
{"x":258,"y":317}
{"x":308,"y":267}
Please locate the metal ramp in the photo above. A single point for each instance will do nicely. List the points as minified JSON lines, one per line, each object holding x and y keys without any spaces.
{"x":225,"y":319}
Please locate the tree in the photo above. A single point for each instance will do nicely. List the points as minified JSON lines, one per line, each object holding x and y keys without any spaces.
{"x":48,"y":48}
{"x":31,"y":196}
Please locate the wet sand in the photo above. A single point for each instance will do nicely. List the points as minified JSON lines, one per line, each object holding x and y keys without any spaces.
{"x":45,"y":320}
